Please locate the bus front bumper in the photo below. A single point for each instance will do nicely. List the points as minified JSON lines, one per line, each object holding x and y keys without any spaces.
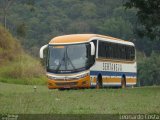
{"x":69,"y":83}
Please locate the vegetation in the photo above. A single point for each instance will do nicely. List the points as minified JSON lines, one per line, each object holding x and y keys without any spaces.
{"x":24,"y":99}
{"x":34,"y":23}
{"x":148,"y":17}
{"x":148,"y":25}
{"x":9,"y":48}
{"x":16,"y":65}
{"x":149,"y":70}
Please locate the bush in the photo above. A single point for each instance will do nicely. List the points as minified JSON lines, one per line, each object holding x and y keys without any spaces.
{"x":15,"y":65}
{"x":23,"y":70}
{"x":149,"y":70}
{"x":9,"y":46}
{"x":25,"y":66}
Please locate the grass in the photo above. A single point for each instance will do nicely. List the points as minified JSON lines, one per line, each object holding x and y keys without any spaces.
{"x":25,"y":81}
{"x":22,"y":99}
{"x":23,"y":70}
{"x":16,"y":66}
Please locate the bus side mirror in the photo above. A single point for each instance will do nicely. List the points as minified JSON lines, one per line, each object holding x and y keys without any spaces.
{"x":41,"y":54}
{"x":92,"y":48}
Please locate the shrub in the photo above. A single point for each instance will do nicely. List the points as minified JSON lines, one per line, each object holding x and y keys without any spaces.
{"x":149,"y":70}
{"x":25,"y":66}
{"x":23,"y":70}
{"x":9,"y":46}
{"x":17,"y":66}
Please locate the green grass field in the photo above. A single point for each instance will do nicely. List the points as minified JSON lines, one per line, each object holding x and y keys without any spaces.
{"x":22,"y":99}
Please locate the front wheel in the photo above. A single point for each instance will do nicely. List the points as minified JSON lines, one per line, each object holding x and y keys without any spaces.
{"x":99,"y":82}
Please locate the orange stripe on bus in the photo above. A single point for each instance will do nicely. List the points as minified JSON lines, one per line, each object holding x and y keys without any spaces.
{"x":131,"y":80}
{"x":116,"y":80}
{"x":113,"y":80}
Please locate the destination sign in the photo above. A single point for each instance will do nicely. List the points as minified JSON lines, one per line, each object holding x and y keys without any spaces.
{"x":112,"y":67}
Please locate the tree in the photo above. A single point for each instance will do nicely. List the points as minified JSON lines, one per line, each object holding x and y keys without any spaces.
{"x":78,"y":27}
{"x":4,"y":7}
{"x":21,"y":30}
{"x":148,"y":16}
{"x":117,"y":27}
{"x":149,"y":70}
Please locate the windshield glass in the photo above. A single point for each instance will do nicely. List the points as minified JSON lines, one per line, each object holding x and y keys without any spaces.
{"x":69,"y":57}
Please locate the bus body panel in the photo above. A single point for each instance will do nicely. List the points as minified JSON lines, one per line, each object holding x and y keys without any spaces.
{"x":77,"y":80}
{"x":112,"y":73}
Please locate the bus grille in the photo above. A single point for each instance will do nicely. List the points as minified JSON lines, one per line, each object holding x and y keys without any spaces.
{"x":65,"y":79}
{"x":66,"y":83}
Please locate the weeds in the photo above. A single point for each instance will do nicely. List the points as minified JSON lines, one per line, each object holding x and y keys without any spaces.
{"x":15,"y":65}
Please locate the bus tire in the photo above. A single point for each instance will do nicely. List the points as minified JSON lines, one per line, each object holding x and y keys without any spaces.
{"x":99,"y":82}
{"x":123,"y":82}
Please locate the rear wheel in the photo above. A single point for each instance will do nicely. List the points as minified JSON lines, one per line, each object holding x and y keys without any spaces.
{"x":123,"y":82}
{"x":99,"y":82}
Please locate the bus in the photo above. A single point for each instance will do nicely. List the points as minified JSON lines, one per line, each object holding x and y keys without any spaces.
{"x":89,"y":60}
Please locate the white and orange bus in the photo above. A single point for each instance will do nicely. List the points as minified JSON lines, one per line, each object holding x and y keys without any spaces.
{"x":89,"y":60}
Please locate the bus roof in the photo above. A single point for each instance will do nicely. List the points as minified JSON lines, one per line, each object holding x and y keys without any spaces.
{"x":80,"y":38}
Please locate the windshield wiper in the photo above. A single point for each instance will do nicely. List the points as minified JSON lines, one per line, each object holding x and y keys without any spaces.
{"x":71,"y":63}
{"x":62,"y":60}
{"x":70,"y":60}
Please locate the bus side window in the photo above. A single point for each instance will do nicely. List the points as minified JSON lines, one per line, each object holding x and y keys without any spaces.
{"x":107,"y":50}
{"x":110,"y":50}
{"x":101,"y":49}
{"x":118,"y":51}
{"x":115,"y":51}
{"x":104,"y":50}
{"x":126,"y":52}
{"x":132,"y":53}
{"x":123,"y":52}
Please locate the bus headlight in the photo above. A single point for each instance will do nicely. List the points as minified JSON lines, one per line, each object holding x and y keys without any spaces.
{"x":82,"y":76}
{"x":51,"y":77}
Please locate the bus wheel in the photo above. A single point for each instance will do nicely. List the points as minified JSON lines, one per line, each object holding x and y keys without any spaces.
{"x":123,"y":82}
{"x":99,"y":82}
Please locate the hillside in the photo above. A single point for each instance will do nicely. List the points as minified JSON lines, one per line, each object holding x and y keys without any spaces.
{"x":41,"y":20}
{"x":16,"y":65}
{"x":9,"y":47}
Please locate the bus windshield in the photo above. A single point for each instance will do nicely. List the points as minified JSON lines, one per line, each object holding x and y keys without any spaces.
{"x":69,"y":58}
